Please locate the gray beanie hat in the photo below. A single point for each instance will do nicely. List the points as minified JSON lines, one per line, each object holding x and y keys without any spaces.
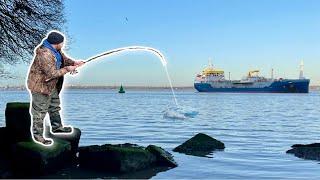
{"x":55,"y":38}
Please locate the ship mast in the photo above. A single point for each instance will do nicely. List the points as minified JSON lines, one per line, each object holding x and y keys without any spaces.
{"x":210,"y":62}
{"x":301,"y":70}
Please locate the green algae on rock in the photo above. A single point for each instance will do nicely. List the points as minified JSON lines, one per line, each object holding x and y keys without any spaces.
{"x":164,"y":158}
{"x":115,"y":158}
{"x":18,"y":120}
{"x":73,"y":139}
{"x":31,"y":158}
{"x":124,"y":157}
{"x":18,"y":105}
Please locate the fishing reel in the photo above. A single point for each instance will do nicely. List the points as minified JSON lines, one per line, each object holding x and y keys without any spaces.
{"x":74,"y":72}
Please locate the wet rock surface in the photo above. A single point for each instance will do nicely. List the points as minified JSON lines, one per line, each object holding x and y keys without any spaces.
{"x":123,"y":157}
{"x":200,"y":145}
{"x":31,"y":158}
{"x":21,"y":157}
{"x":73,"y":139}
{"x":306,"y":151}
{"x":115,"y":158}
{"x":18,"y":121}
{"x":80,"y":173}
{"x":163,"y":158}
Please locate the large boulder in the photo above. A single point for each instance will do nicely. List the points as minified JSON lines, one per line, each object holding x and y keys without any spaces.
{"x":115,"y":158}
{"x":124,"y":157}
{"x":20,"y":156}
{"x":163,"y":158}
{"x":18,"y":121}
{"x":97,"y":163}
{"x":73,"y":139}
{"x":200,"y":145}
{"x":5,"y":153}
{"x":5,"y":141}
{"x":32,"y":159}
{"x":306,"y":151}
{"x":5,"y":171}
{"x":81,"y":173}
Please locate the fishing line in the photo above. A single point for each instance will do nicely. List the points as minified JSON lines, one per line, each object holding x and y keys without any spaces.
{"x":136,"y":48}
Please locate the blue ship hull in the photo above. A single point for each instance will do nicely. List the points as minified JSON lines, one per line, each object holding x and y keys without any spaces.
{"x":283,"y":86}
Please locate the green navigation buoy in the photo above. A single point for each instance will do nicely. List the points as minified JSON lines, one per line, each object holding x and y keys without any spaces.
{"x":121,"y":90}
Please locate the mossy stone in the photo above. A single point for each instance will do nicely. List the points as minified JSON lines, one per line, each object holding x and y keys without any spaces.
{"x":115,"y":158}
{"x":18,"y":105}
{"x":73,"y":139}
{"x":18,"y":121}
{"x":34,"y":159}
{"x":200,"y":145}
{"x":5,"y":153}
{"x":164,"y":158}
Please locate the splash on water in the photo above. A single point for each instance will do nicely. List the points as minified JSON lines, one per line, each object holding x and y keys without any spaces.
{"x":179,"y":112}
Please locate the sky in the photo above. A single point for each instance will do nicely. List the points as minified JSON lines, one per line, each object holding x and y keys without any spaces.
{"x":238,"y":35}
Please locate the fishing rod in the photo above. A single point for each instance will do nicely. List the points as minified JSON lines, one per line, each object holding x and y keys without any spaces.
{"x":129,"y":48}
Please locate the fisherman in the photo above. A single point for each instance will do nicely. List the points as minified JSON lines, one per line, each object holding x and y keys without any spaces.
{"x":45,"y":79}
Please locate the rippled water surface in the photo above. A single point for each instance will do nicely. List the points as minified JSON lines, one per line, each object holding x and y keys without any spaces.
{"x":257,"y":129}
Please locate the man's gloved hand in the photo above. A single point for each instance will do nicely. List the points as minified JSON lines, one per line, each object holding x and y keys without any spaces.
{"x":76,"y":64}
{"x":71,"y":68}
{"x":79,"y":63}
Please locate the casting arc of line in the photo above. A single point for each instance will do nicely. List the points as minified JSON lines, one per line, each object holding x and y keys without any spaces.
{"x":163,"y":61}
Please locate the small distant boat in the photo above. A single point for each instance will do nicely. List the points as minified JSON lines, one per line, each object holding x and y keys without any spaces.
{"x":121,"y":90}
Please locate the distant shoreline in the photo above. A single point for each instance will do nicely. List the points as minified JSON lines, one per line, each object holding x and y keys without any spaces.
{"x":312,"y":88}
{"x":107,"y":87}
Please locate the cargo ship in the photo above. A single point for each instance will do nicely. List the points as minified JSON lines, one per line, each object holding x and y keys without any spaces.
{"x":213,"y":80}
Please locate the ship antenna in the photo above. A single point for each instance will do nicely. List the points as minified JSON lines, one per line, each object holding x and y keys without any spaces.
{"x":210,"y":62}
{"x":301,"y":70}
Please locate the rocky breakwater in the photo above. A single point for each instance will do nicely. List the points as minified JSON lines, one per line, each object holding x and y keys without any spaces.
{"x":21,"y":157}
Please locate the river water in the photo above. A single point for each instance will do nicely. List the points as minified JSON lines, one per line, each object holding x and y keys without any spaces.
{"x":257,"y":129}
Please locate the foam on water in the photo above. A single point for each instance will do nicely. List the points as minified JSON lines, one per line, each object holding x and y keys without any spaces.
{"x":179,"y":112}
